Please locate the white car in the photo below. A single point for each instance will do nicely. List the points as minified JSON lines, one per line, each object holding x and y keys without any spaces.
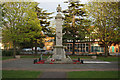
{"x":38,"y":48}
{"x":27,"y":49}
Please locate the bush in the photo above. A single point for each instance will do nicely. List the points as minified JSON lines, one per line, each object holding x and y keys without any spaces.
{"x":9,"y":52}
{"x":100,"y":54}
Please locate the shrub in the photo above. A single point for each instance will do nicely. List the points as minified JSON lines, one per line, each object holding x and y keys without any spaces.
{"x":9,"y":52}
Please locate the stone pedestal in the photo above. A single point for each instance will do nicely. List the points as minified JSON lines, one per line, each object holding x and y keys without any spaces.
{"x":59,"y":52}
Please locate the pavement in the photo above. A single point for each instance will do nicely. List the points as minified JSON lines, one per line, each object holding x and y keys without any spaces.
{"x":53,"y":75}
{"x":56,"y":70}
{"x":27,"y":64}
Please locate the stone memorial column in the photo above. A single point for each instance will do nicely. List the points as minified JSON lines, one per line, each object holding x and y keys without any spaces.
{"x":59,"y":52}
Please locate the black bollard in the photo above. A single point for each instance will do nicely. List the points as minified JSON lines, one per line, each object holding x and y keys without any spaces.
{"x":82,"y":61}
{"x":78,"y":59}
{"x":39,"y":59}
{"x":35,"y":61}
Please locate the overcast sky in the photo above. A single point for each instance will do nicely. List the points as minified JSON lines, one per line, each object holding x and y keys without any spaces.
{"x":51,"y":5}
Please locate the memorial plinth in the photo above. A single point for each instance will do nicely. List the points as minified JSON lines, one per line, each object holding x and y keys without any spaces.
{"x":59,"y":52}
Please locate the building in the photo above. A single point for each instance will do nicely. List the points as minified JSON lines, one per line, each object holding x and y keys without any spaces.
{"x":90,"y":48}
{"x":49,"y":43}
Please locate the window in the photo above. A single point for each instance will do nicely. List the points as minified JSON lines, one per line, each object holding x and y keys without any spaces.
{"x":119,"y":49}
{"x":82,"y":47}
{"x":69,"y":48}
{"x":116,"y":49}
{"x":97,"y":49}
{"x":87,"y":49}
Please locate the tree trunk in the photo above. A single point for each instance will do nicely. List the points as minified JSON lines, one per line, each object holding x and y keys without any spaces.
{"x":35,"y":47}
{"x":32,"y":49}
{"x":89,"y":48}
{"x":73,"y":25}
{"x":14,"y":49}
{"x":106,"y":50}
{"x":73,"y":50}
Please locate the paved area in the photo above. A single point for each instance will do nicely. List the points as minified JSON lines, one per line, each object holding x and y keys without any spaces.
{"x":53,"y":75}
{"x":27,"y":64}
{"x":56,"y":70}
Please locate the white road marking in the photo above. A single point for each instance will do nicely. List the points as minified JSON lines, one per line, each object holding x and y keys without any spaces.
{"x":96,"y":62}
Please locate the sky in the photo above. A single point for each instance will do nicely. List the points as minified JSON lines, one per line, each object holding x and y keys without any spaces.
{"x":51,"y":5}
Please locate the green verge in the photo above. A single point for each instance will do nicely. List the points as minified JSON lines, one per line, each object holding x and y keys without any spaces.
{"x":20,"y":74}
{"x":6,"y":58}
{"x":11,"y":57}
{"x":34,"y":56}
{"x":93,"y":74}
{"x":109,"y":58}
{"x":81,"y":57}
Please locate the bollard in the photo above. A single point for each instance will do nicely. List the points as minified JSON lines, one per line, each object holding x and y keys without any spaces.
{"x":82,"y":61}
{"x":78,"y":59}
{"x":41,"y":56}
{"x":35,"y":61}
{"x":39,"y":59}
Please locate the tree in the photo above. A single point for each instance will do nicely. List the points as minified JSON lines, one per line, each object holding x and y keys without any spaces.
{"x":75,"y":25}
{"x":21,"y":23}
{"x":104,"y":16}
{"x":44,"y":18}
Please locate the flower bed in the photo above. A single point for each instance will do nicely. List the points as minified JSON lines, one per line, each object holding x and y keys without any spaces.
{"x":52,"y":62}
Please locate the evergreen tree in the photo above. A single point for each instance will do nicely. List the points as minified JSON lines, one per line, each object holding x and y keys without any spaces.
{"x":44,"y":18}
{"x":75,"y":25}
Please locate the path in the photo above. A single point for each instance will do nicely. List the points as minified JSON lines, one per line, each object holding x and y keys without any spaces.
{"x":53,"y":75}
{"x":55,"y":70}
{"x":27,"y":64}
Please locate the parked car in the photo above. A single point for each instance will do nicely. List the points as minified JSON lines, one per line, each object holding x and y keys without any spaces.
{"x":38,"y":48}
{"x":48,"y":52}
{"x":27,"y":49}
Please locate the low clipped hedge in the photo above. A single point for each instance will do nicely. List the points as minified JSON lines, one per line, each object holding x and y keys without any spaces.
{"x":9,"y":52}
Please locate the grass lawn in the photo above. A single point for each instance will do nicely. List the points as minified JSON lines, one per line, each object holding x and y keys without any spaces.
{"x":20,"y":74}
{"x":5,"y":58}
{"x":81,"y":57}
{"x":92,"y":74}
{"x":26,"y":56}
{"x":109,"y":58}
{"x":32,"y":56}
